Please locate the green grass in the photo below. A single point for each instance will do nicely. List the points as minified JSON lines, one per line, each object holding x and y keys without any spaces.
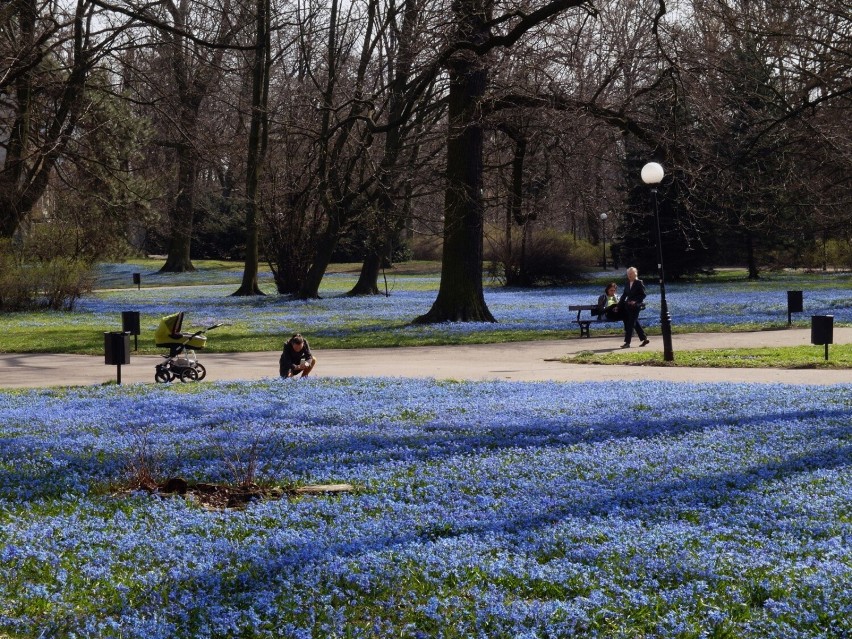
{"x":225,"y":272}
{"x":840,"y":356}
{"x":60,"y":332}
{"x":51,"y":332}
{"x":87,"y":339}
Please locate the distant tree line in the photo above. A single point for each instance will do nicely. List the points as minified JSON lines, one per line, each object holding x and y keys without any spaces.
{"x":295,"y":133}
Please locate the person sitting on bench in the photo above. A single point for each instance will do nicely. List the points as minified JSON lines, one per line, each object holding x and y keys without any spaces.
{"x":608,"y":307}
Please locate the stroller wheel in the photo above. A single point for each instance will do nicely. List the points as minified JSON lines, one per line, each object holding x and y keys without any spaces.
{"x":202,"y":372}
{"x":189,"y":375}
{"x":162,"y":376}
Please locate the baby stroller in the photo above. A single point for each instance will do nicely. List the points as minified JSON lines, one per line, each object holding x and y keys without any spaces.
{"x":181,"y":362}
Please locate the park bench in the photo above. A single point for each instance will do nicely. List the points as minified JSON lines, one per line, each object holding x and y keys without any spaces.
{"x":594,"y":318}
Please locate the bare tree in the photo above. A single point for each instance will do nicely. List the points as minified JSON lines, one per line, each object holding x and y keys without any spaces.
{"x":761,"y":82}
{"x":257,"y":144}
{"x":189,"y":41}
{"x":49,"y":51}
{"x":345,"y":172}
{"x":324,"y":111}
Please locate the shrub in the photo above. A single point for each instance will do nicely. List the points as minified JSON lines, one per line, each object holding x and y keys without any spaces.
{"x":31,"y":280}
{"x":63,"y":281}
{"x":839,"y":253}
{"x":548,"y":258}
{"x":426,"y":247}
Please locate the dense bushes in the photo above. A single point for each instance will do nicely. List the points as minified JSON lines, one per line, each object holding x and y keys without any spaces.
{"x":544,"y":258}
{"x":833,"y":253}
{"x":30,"y":279}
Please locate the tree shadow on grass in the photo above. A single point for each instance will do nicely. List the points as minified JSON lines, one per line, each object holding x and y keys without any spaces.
{"x":323,"y":440}
{"x":313,"y":439}
{"x":299,"y":565}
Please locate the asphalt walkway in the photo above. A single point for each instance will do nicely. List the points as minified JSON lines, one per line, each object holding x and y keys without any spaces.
{"x":518,"y":361}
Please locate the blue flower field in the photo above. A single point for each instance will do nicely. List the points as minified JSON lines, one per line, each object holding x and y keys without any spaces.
{"x":762,"y":303}
{"x":482,"y":509}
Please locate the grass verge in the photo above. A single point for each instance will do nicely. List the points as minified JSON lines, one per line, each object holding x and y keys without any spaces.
{"x":840,"y":356}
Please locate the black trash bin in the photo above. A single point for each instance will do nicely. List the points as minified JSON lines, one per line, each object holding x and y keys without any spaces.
{"x":130,"y":324}
{"x":137,"y":279}
{"x":822,"y":330}
{"x":117,"y":350}
{"x":794,"y":304}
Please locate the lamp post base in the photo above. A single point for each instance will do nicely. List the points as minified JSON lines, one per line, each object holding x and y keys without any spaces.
{"x":666,"y":329}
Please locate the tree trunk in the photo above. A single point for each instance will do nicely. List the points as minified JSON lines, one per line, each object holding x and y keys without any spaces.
{"x":288,"y":271}
{"x":753,"y":272}
{"x":460,"y":294}
{"x":513,"y":269}
{"x":368,"y":280}
{"x":524,"y":277}
{"x":256,"y":149}
{"x":192,"y":85}
{"x":321,"y":258}
{"x":392,"y":219}
{"x":180,"y":221}
{"x":12,"y":213}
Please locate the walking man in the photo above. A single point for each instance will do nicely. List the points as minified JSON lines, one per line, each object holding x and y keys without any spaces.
{"x":631,"y":303}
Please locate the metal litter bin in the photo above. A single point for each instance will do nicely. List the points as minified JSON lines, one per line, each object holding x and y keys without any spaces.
{"x":130,"y":324}
{"x":794,"y":304}
{"x":822,"y":331}
{"x":117,"y":350}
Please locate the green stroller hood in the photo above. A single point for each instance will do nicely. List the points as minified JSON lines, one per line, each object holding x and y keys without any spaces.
{"x":169,"y":334}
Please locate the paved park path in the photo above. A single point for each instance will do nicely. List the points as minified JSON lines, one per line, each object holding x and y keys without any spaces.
{"x":518,"y":361}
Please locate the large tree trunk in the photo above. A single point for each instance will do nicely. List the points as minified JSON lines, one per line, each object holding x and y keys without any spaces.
{"x":460,"y":294}
{"x":391,"y":218}
{"x":192,"y":85}
{"x":180,"y":221}
{"x":12,"y":210}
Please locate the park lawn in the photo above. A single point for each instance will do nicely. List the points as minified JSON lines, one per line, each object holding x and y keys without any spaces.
{"x":46,"y":332}
{"x":53,"y":336}
{"x":120,"y":275}
{"x":481,"y":509}
{"x":840,"y":356}
{"x":262,"y":323}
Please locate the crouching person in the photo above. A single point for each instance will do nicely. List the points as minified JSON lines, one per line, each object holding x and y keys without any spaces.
{"x":297,"y":358}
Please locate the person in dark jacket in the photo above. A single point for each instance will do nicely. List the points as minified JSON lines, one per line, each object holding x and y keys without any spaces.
{"x":631,"y":303}
{"x":297,"y":358}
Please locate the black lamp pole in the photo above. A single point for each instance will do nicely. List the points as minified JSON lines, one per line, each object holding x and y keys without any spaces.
{"x":652,"y":174}
{"x":603,"y":238}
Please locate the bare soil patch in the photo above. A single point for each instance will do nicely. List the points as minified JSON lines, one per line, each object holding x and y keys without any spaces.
{"x":228,"y":497}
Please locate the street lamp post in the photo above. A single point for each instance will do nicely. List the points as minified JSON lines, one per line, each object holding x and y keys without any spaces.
{"x":652,"y":175}
{"x":603,"y":238}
